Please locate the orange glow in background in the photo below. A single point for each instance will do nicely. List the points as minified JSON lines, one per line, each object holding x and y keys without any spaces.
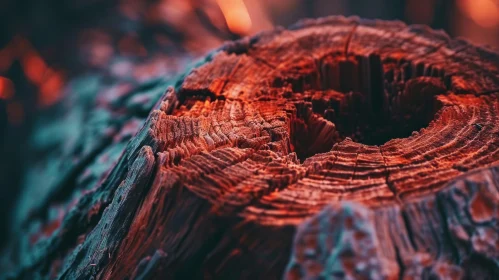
{"x":34,"y":67}
{"x":485,"y":13}
{"x":48,"y":81}
{"x":50,"y":88}
{"x":6,"y":88}
{"x":236,"y":15}
{"x":478,"y":21}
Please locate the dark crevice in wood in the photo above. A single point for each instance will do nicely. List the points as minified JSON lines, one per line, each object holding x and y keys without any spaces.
{"x":480,"y":267}
{"x":184,"y":96}
{"x":349,"y":38}
{"x":487,"y":92}
{"x":406,"y":218}
{"x":445,"y":229}
{"x":400,"y":263}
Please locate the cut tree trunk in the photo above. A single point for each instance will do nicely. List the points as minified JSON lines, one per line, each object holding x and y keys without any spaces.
{"x":339,"y":147}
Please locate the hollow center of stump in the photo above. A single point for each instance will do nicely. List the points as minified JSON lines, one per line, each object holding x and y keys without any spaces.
{"x":366,"y":98}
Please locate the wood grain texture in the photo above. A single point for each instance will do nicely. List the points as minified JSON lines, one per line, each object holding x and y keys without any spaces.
{"x":340,"y":147}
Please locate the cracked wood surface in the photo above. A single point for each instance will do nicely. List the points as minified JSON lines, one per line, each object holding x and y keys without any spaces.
{"x":339,"y":147}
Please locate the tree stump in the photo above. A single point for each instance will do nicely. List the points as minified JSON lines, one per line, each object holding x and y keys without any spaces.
{"x":340,"y":147}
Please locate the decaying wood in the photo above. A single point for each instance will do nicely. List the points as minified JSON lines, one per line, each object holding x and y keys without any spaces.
{"x":340,"y":148}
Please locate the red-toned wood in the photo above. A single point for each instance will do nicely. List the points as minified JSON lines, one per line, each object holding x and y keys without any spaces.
{"x":338,"y":147}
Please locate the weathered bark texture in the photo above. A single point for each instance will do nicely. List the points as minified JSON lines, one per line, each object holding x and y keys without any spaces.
{"x":340,"y":148}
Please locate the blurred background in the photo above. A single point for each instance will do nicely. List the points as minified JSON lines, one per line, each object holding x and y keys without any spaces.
{"x":45,"y":45}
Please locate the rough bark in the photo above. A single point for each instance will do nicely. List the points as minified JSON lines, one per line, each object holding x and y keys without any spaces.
{"x":340,"y":148}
